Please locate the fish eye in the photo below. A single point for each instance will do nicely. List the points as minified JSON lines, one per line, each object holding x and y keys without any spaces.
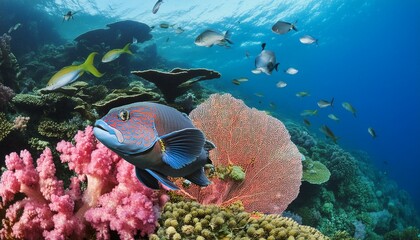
{"x":124,"y":115}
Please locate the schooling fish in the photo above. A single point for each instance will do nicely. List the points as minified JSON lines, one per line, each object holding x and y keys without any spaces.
{"x":372,"y":132}
{"x":116,"y":53}
{"x":302,"y":94}
{"x":69,"y":15}
{"x":309,"y":112}
{"x":324,"y":103}
{"x":291,"y":71}
{"x":209,"y":38}
{"x":328,"y":133}
{"x":308,"y":40}
{"x":281,"y":84}
{"x":69,"y":74}
{"x":156,"y":6}
{"x":333,"y":117}
{"x":158,"y":140}
{"x":281,"y":27}
{"x":265,"y":62}
{"x":349,"y":108}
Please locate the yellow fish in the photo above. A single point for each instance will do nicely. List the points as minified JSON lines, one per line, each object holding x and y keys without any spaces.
{"x":349,"y":108}
{"x":116,"y":53}
{"x":69,"y":74}
{"x":309,"y":112}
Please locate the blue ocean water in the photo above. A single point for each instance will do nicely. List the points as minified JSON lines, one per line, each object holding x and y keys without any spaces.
{"x":368,"y":54}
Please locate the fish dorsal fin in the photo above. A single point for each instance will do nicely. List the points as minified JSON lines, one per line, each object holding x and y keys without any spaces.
{"x":182,"y":147}
{"x":163,"y":179}
{"x":146,"y":178}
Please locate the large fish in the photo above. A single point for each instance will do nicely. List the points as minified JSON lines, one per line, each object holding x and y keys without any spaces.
{"x":281,"y":27}
{"x":158,"y":140}
{"x":209,"y":38}
{"x":70,"y":74}
{"x":265,"y":62}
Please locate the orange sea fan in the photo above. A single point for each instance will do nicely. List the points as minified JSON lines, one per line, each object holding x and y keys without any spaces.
{"x":257,"y":142}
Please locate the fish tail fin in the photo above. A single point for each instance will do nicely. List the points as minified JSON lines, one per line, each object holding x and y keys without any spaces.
{"x":263,"y":46}
{"x":316,"y":112}
{"x":227,"y":36}
{"x":332,"y":102}
{"x":89,"y":67}
{"x":126,"y":49}
{"x":294,"y":26}
{"x":276,"y":66}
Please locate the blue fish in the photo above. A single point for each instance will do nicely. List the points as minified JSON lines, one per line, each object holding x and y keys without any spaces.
{"x":158,"y":140}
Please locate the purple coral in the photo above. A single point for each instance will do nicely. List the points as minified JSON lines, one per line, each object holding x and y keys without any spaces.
{"x":6,"y":94}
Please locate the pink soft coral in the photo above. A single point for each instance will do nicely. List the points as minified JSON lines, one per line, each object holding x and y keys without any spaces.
{"x":259,"y":144}
{"x":113,"y":200}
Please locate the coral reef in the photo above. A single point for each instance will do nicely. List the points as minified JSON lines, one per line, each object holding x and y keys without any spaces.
{"x":259,"y":144}
{"x":190,"y":220}
{"x":176,"y":82}
{"x":315,"y":172}
{"x":48,"y":210}
{"x":5,"y":126}
{"x":6,"y":94}
{"x":9,"y":67}
{"x":356,"y":199}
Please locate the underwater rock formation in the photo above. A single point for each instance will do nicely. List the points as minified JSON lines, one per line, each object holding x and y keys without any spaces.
{"x":178,"y":81}
{"x":9,"y":67}
{"x":6,"y":94}
{"x":116,"y":35}
{"x":255,"y":143}
{"x":49,"y":211}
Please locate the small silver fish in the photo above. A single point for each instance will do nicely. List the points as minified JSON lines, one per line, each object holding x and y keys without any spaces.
{"x":156,"y":6}
{"x":265,"y":62}
{"x":333,"y":117}
{"x":281,"y":84}
{"x":291,"y":71}
{"x":372,"y":132}
{"x":209,"y":38}
{"x":14,"y":28}
{"x":308,"y":40}
{"x":302,"y":94}
{"x":281,"y":27}
{"x":324,"y":103}
{"x":309,"y":112}
{"x":179,"y":30}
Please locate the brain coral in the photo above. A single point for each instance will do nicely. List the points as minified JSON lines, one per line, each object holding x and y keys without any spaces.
{"x":259,"y":144}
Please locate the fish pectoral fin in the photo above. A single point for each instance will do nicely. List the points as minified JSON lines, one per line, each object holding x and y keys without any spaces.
{"x":208,"y":145}
{"x":199,"y":178}
{"x":146,"y":178}
{"x":163,"y":179}
{"x":182,"y":147}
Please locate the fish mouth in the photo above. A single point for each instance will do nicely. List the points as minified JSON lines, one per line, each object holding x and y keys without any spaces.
{"x":102,"y":128}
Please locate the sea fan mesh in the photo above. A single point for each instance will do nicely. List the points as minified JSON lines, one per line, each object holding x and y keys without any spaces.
{"x":257,"y":142}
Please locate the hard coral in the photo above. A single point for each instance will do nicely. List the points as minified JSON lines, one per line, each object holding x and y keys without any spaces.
{"x":113,"y":200}
{"x":259,"y":144}
{"x":190,"y":220}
